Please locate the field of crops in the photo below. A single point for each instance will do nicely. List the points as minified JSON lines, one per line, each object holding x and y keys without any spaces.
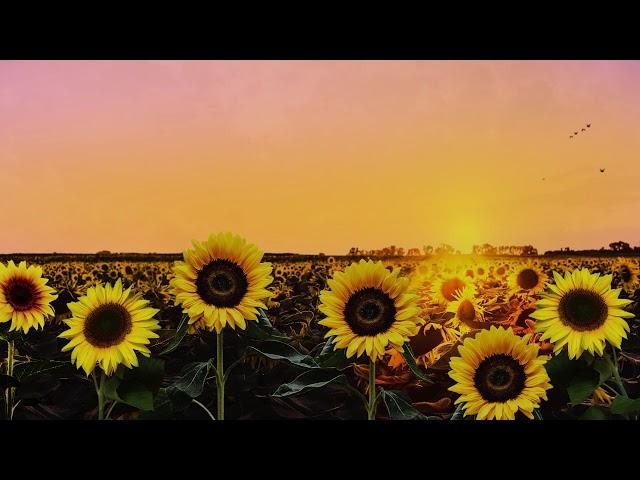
{"x":282,"y":365}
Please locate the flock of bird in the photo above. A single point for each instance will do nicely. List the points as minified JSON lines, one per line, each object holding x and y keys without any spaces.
{"x":583,"y":129}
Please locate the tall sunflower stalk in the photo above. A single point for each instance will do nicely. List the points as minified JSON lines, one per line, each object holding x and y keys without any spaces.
{"x":221,"y":282}
{"x":369,"y":309}
{"x":109,"y":325}
{"x":25,"y":301}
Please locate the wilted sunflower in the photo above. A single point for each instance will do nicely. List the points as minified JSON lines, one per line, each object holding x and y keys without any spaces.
{"x":222,"y":281}
{"x":528,"y":278}
{"x":498,"y":374}
{"x":368,"y":308}
{"x":444,"y":289}
{"x":582,"y":311}
{"x":25,"y":298}
{"x":629,"y":274}
{"x":467,"y":308}
{"x":107,"y":327}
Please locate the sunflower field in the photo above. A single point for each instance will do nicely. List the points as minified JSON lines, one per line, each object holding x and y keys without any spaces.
{"x":226,"y":332}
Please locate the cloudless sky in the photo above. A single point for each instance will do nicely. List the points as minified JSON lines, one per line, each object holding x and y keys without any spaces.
{"x":317,"y":156}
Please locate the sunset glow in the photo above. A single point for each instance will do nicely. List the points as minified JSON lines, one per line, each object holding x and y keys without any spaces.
{"x":318,"y":156}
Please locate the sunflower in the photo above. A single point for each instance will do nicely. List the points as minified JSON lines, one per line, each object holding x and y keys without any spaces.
{"x":444,"y":289}
{"x":628,"y":273}
{"x":368,"y":308}
{"x":582,"y":311}
{"x":528,"y":278}
{"x":107,"y":327}
{"x":467,"y":308}
{"x":498,"y":374}
{"x":222,"y":281}
{"x":25,"y":297}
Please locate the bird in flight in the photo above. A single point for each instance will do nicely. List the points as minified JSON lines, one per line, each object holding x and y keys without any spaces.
{"x":575,"y":133}
{"x":570,"y":136}
{"x":602,"y":170}
{"x":588,"y":125}
{"x":584,"y":129}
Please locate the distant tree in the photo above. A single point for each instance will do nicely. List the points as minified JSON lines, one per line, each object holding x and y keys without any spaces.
{"x":444,"y":249}
{"x":529,"y":250}
{"x":400,"y":252}
{"x":413,"y":252}
{"x":620,"y":246}
{"x":427,"y":250}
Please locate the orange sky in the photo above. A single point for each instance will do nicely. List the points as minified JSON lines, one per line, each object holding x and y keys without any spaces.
{"x":317,"y":156}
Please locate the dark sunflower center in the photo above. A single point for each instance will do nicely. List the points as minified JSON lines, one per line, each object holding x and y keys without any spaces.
{"x":527,"y":278}
{"x":583,"y":309}
{"x":466,"y":311}
{"x":499,"y":378}
{"x":369,"y":311}
{"x":21,"y":294}
{"x":107,"y":325}
{"x":450,"y":287}
{"x":625,"y":273}
{"x":222,"y":283}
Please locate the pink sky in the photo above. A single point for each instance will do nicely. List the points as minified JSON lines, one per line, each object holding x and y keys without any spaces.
{"x":311,"y":156}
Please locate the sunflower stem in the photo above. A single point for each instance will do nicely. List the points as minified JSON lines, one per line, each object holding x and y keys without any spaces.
{"x":220,"y":375}
{"x":100,"y":392}
{"x":204,"y":408}
{"x":371,"y":410}
{"x":616,"y":373}
{"x":8,"y":394}
{"x":111,"y":407}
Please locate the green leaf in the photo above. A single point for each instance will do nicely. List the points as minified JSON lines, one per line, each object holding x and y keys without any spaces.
{"x":327,"y":347}
{"x":8,"y":336}
{"x":311,"y":379}
{"x":193,"y":378}
{"x":413,"y":366}
{"x":561,"y":369}
{"x":576,"y":376}
{"x":330,"y":358}
{"x":458,"y":413}
{"x":261,"y":330}
{"x":582,"y":385}
{"x":276,"y":350}
{"x":179,"y":336}
{"x":149,"y":373}
{"x":37,"y":386}
{"x":27,"y":369}
{"x":604,"y":368}
{"x":335,"y":359}
{"x":110,"y":390}
{"x":136,"y":394}
{"x":595,"y":413}
{"x":623,"y":404}
{"x":138,"y":386}
{"x":399,"y":406}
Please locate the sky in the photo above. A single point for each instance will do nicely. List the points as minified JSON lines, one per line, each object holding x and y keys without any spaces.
{"x":317,"y":156}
